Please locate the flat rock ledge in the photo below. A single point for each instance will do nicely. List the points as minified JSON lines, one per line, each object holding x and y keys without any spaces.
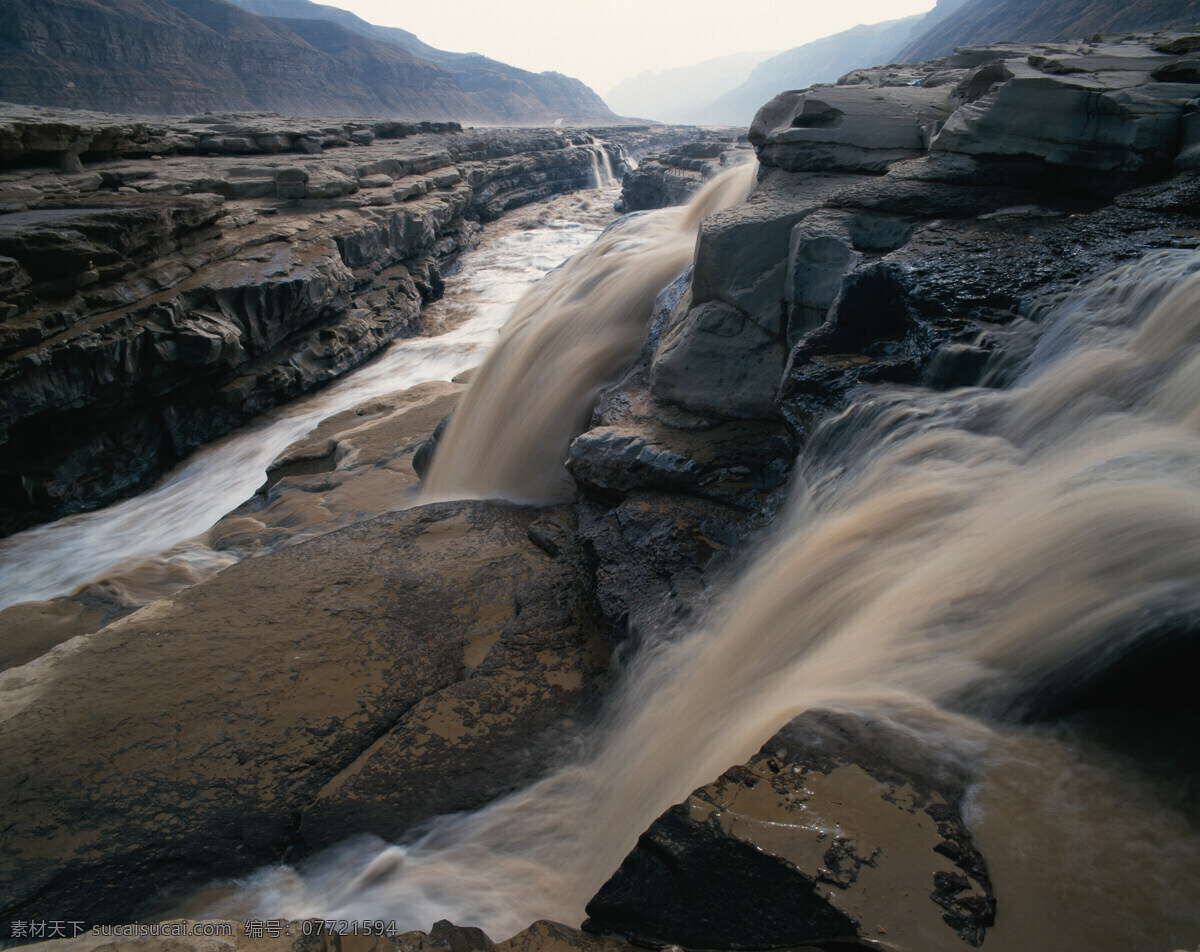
{"x":408,"y":666}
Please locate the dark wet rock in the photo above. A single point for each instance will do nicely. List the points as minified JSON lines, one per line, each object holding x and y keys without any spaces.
{"x":652,"y":555}
{"x":289,"y":691}
{"x":848,"y":128}
{"x":804,"y":844}
{"x":735,"y":463}
{"x":672,"y":177}
{"x":423,"y":457}
{"x":667,"y":495}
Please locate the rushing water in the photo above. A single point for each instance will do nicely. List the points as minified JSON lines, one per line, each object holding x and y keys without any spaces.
{"x":151,"y":535}
{"x":945,"y":557}
{"x":603,"y":175}
{"x":567,"y":337}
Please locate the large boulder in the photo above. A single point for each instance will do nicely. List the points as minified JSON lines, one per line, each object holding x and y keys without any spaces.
{"x":847,"y":128}
{"x":723,"y":348}
{"x":719,"y":361}
{"x":185,"y":742}
{"x":1083,"y":117}
{"x":811,"y":841}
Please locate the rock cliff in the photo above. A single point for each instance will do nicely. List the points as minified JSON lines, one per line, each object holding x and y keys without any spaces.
{"x":909,"y":225}
{"x":671,"y":177}
{"x":197,"y":272}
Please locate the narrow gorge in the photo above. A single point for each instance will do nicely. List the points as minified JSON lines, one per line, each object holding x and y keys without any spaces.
{"x":811,"y":561}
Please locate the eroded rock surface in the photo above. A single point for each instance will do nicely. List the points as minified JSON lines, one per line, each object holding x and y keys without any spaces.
{"x":810,"y":841}
{"x":206,"y":734}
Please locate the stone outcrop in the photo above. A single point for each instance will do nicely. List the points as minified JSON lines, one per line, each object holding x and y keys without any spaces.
{"x":797,"y":845}
{"x":199,"y":272}
{"x":408,"y":666}
{"x":903,"y":249}
{"x":848,"y":128}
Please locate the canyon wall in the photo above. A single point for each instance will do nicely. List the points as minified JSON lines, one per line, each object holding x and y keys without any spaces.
{"x":188,"y":275}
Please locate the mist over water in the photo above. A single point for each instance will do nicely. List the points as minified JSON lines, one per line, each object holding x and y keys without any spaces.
{"x":567,"y":338}
{"x":947,"y":559}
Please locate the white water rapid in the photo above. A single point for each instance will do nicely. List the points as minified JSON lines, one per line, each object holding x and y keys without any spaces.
{"x":944,"y":554}
{"x":603,"y":175}
{"x":151,"y":536}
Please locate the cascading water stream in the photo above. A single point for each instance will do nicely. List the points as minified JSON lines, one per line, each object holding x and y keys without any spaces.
{"x":128,"y":537}
{"x":567,"y":338}
{"x":966,"y":549}
{"x":603,"y":175}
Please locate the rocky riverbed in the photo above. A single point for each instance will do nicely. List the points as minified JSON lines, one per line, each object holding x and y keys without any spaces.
{"x":182,"y":276}
{"x":911,"y":227}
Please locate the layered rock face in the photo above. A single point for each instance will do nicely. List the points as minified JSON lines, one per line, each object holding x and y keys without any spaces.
{"x":671,"y":177}
{"x":430,"y":660}
{"x":199,"y":272}
{"x":903,"y":219}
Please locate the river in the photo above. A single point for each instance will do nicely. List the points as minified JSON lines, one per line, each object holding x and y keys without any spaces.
{"x":153,"y":534}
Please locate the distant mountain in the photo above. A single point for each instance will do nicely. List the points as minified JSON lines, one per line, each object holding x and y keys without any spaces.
{"x":187,"y":56}
{"x":515,"y":94}
{"x":820,"y":61}
{"x":677,"y":95}
{"x":988,"y":21}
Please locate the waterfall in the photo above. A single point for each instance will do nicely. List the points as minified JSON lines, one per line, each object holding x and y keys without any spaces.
{"x":153,"y":535}
{"x":943,"y":554}
{"x":568,"y":337}
{"x":603,"y":175}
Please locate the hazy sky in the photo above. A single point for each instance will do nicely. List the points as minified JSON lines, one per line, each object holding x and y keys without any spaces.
{"x":604,"y":42}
